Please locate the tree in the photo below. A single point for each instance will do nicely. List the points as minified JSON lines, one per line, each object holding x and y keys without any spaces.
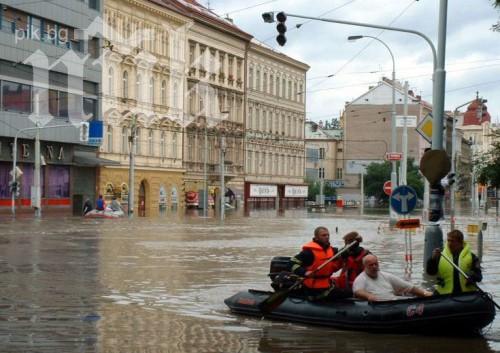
{"x":496,"y":26}
{"x":314,"y":189}
{"x":378,"y":173}
{"x":487,"y":166}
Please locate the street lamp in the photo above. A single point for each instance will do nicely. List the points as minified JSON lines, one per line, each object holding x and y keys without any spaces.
{"x":454,"y":164}
{"x":392,"y":216}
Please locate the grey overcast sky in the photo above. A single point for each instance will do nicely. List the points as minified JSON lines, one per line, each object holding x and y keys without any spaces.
{"x":472,"y":48}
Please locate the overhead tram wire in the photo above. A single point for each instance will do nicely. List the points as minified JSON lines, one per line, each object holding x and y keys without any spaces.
{"x":249,"y":7}
{"x":322,"y":14}
{"x":366,"y":46}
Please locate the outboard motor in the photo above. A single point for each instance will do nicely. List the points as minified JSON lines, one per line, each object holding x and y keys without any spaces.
{"x":280,"y":273}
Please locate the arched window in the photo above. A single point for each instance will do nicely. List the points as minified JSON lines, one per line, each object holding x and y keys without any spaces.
{"x":164,"y":92}
{"x":109,"y":137}
{"x":111,"y":79}
{"x":138,"y":84}
{"x":152,"y":90}
{"x":125,"y":84}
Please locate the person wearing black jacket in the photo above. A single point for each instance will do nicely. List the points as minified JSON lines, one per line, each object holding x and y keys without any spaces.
{"x":449,"y":280}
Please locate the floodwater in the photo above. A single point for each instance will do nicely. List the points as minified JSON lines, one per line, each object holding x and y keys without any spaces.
{"x":158,"y":285}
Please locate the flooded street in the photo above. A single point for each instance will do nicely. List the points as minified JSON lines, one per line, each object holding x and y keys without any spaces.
{"x":158,"y":285}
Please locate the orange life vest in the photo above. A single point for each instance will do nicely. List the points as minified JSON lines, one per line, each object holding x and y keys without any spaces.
{"x":321,"y":278}
{"x":353,"y":266}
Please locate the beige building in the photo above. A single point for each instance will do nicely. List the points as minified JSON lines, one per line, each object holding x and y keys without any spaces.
{"x":367,"y":132}
{"x":274,"y":129}
{"x":214,"y":105}
{"x":324,"y":154}
{"x":143,"y":69}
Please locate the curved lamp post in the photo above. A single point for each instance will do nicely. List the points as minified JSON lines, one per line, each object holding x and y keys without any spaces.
{"x":392,"y":216}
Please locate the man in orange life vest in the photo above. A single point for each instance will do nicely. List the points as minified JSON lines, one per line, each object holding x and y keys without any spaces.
{"x":313,"y":255}
{"x":353,"y":262}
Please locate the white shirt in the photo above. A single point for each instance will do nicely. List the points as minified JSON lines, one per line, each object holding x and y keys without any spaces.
{"x":385,"y":287}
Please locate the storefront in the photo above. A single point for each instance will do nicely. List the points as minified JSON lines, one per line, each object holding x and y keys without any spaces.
{"x":274,"y":196}
{"x":65,"y":178}
{"x":156,"y":191}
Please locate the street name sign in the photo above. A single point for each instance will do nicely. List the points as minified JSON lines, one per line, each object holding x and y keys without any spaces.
{"x":404,"y":199}
{"x":411,"y":120}
{"x":393,"y":156}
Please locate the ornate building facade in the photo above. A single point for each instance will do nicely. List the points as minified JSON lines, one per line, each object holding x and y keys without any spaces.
{"x":214,"y":106}
{"x":144,"y":77}
{"x":274,"y":129}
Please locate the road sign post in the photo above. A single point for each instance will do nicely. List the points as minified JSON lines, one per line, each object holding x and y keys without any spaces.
{"x":404,"y":199}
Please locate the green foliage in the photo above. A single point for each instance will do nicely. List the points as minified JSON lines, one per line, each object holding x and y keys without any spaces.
{"x":378,"y":173}
{"x":314,"y":189}
{"x":487,"y":166}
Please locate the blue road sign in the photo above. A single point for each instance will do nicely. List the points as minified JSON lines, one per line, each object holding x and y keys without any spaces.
{"x":403,"y":199}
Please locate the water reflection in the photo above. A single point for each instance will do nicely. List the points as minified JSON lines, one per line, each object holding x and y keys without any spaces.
{"x":291,"y":338}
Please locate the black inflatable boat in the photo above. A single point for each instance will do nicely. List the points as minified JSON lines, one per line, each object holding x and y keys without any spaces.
{"x":465,"y":313}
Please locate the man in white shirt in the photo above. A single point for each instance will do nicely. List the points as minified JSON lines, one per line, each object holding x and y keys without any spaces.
{"x":375,"y":285}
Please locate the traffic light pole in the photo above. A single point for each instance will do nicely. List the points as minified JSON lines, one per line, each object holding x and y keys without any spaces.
{"x":433,"y":233}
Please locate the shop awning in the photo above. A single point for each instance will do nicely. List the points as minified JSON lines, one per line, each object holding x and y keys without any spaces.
{"x":89,"y":159}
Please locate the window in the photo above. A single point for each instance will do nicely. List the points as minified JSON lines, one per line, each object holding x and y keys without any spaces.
{"x":124,"y":139}
{"x":164,"y":92}
{"x":256,"y":168}
{"x":250,"y":78}
{"x":152,"y":90}
{"x":190,"y":148}
{"x":90,"y":107}
{"x":109,"y":137}
{"x":93,"y":47}
{"x":271,"y":84}
{"x":174,"y":145}
{"x":249,"y":162}
{"x":138,"y":84}
{"x":53,"y":102}
{"x":111,"y":86}
{"x":283,"y":88}
{"x":257,"y":81}
{"x":58,"y":182}
{"x":175,"y":95}
{"x":138,"y":141}
{"x":151,"y":143}
{"x":289,"y":89}
{"x":125,"y":84}
{"x":94,"y":4}
{"x":162,"y":144}
{"x":264,"y":88}
{"x":16,"y":97}
{"x":339,"y":173}
{"x":277,"y":86}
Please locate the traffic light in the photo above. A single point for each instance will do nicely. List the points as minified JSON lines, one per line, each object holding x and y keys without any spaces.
{"x":281,"y":27}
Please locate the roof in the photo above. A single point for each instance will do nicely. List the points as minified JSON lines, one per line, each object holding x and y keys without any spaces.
{"x":257,"y":44}
{"x":476,"y":114}
{"x":198,"y":12}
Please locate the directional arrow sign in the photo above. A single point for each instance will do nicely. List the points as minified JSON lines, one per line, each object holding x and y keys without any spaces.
{"x":404,"y":199}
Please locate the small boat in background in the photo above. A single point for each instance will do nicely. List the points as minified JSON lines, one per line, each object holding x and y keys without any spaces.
{"x":107,"y":213}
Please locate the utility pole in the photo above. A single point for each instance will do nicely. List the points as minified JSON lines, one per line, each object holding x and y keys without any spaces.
{"x":404,"y":143}
{"x":205,"y":183}
{"x":131,"y":169}
{"x":36,"y":177}
{"x":222,"y":187}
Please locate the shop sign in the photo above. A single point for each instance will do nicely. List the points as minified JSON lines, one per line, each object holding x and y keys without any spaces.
{"x":296,"y":191}
{"x":261,"y":190}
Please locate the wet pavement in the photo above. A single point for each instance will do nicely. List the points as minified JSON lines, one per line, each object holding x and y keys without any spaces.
{"x":158,"y":285}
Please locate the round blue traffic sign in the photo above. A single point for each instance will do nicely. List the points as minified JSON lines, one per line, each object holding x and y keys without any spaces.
{"x":404,"y":199}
